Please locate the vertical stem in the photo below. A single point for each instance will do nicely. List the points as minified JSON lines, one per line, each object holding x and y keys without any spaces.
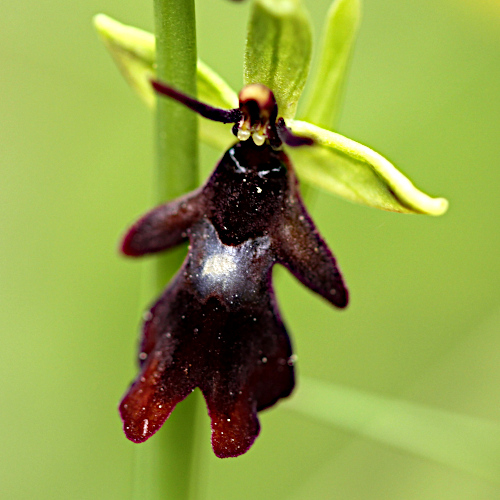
{"x":177,"y":157}
{"x":176,"y":125}
{"x":163,"y":464}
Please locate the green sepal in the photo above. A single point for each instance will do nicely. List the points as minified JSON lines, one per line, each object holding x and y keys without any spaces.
{"x":335,"y":164}
{"x":339,"y":36}
{"x":213,"y":90}
{"x":348,"y":169}
{"x":134,"y":52}
{"x":278,"y":50}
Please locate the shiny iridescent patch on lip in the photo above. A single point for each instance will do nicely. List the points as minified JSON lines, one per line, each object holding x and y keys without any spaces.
{"x":217,"y":325}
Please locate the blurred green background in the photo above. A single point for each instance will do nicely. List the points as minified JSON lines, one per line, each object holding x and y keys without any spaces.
{"x":76,"y":159}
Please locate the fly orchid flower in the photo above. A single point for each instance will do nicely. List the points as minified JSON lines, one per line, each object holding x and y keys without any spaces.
{"x":217,"y":326}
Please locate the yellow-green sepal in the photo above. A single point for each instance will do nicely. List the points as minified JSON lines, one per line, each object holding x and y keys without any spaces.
{"x":278,"y":50}
{"x":213,"y":90}
{"x":338,"y":41}
{"x":348,"y":169}
{"x":134,"y":51}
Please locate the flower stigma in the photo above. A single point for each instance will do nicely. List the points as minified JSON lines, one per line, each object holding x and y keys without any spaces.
{"x":258,"y":113}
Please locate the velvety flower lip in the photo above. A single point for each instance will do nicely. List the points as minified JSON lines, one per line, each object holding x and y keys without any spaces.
{"x":217,"y":325}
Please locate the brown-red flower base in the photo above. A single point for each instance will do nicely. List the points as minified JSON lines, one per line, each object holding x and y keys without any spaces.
{"x":217,"y":325}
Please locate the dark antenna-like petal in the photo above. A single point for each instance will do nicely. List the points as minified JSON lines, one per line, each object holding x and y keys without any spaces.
{"x":303,"y":251}
{"x":289,"y":138}
{"x":214,"y":114}
{"x":164,"y":227}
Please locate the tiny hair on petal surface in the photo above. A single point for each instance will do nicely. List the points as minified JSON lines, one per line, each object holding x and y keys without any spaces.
{"x":217,"y":325}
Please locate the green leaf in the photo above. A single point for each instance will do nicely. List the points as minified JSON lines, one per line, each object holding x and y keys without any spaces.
{"x":213,"y":90}
{"x":339,"y":36}
{"x":134,"y":52}
{"x":466,"y":443}
{"x":278,"y":50}
{"x":346,"y":168}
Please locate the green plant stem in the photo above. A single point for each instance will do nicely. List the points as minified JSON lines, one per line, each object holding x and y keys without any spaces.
{"x":164,"y":463}
{"x":177,"y":126}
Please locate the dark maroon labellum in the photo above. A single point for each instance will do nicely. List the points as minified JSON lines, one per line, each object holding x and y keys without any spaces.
{"x":217,"y":325}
